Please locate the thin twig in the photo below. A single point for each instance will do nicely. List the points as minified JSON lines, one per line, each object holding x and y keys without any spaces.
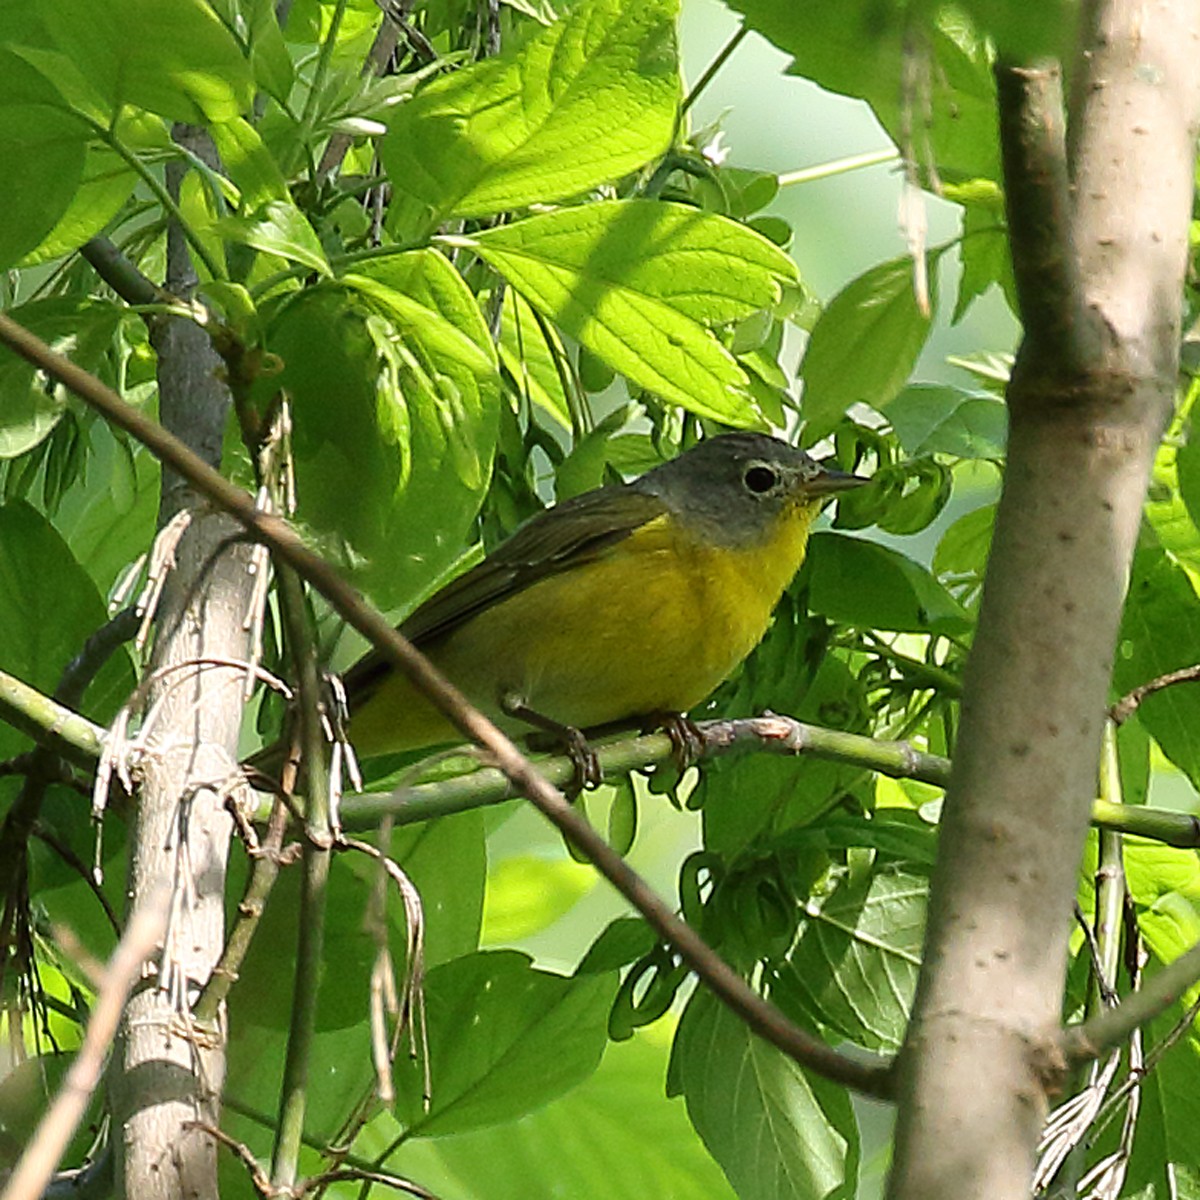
{"x":264,"y":1187}
{"x":1132,"y":700}
{"x":1091,"y":1039}
{"x":713,"y":67}
{"x":54,"y":1131}
{"x":285,"y":1157}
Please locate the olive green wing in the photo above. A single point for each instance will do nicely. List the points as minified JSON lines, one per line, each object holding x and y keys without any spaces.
{"x":573,"y":532}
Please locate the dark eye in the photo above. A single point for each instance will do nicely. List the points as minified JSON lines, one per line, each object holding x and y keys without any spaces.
{"x":760,"y":479}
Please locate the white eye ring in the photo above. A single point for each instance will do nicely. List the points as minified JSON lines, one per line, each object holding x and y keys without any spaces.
{"x":760,"y":479}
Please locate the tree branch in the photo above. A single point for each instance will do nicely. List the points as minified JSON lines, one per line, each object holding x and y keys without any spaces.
{"x":44,"y":1152}
{"x":1038,"y":202}
{"x":1107,"y":1030}
{"x":49,"y":723}
{"x":121,"y":275}
{"x":1100,"y":271}
{"x":764,"y":1018}
{"x":1132,"y":700}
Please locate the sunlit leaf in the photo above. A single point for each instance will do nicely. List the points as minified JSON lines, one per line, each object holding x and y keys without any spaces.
{"x":587,"y":100}
{"x":639,"y":283}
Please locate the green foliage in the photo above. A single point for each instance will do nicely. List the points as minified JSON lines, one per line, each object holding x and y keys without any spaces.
{"x":588,"y":100}
{"x":776,"y":1130}
{"x":877,"y":313}
{"x":637,"y":283}
{"x":481,"y":280}
{"x":854,"y":966}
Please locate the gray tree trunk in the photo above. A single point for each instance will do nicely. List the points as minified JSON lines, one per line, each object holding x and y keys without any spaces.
{"x":166,"y":1074}
{"x":1100,"y":275}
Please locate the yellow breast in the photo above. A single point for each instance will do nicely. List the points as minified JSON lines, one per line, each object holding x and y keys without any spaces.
{"x":652,"y":626}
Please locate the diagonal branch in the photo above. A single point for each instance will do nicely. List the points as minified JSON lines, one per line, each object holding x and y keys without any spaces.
{"x":760,"y":1015}
{"x":1109,"y":1029}
{"x":43,"y":1153}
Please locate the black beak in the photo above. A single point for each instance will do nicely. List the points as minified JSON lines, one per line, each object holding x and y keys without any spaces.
{"x":831,"y":481}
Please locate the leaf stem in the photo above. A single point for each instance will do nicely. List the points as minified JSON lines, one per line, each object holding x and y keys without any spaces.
{"x":161,"y":195}
{"x":839,"y":166}
{"x":713,"y":67}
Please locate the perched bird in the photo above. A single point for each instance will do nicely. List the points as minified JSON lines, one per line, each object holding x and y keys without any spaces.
{"x":630,"y":601}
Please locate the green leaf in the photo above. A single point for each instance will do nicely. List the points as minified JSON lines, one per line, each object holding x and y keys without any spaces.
{"x":339,"y":1072}
{"x":252,"y":168}
{"x":778,"y":1133}
{"x":1165,"y":1161}
{"x":854,"y":967}
{"x":531,"y":359}
{"x":395,"y":397}
{"x":527,"y":893}
{"x":83,"y":331}
{"x":106,"y":184}
{"x":48,"y":606}
{"x":177,"y":59}
{"x":904,"y":60}
{"x":446,"y":860}
{"x":749,"y":797}
{"x":1187,"y":469}
{"x":941,"y":419}
{"x":590,"y":99}
{"x":961,"y":556}
{"x":983,"y":250}
{"x":614,"y":1137}
{"x":504,"y":1039}
{"x":638,"y":283}
{"x":279,"y":227}
{"x":273,"y":69}
{"x":855,"y":582}
{"x":589,"y":463}
{"x":109,"y":524}
{"x":49,"y":146}
{"x":1024,"y":32}
{"x":863,"y":347}
{"x":1159,"y":634}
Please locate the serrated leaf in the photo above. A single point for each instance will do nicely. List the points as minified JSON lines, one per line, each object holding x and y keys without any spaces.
{"x":638,"y":283}
{"x":587,"y":100}
{"x":900,"y":595}
{"x":863,"y":347}
{"x":778,"y":1133}
{"x":854,"y":967}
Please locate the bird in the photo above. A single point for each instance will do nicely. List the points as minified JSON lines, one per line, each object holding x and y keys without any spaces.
{"x":629,"y":602}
